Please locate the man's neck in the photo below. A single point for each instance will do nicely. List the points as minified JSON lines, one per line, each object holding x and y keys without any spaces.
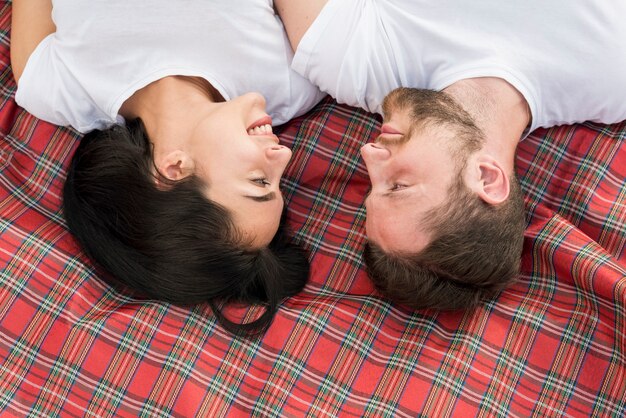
{"x":498,"y":108}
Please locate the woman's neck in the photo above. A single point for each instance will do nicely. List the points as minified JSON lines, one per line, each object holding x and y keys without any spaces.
{"x":167,"y":97}
{"x":166,"y":105}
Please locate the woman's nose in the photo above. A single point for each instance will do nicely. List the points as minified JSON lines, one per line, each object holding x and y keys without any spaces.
{"x":278,"y":154}
{"x":373,"y":153}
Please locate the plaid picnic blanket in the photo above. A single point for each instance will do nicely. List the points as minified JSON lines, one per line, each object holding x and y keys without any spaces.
{"x":553,"y":344}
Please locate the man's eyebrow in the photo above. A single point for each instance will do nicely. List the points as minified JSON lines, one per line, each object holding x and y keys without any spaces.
{"x":265,"y":198}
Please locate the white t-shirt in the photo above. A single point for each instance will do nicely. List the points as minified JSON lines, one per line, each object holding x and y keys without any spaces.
{"x":105,"y":50}
{"x":567,"y":57}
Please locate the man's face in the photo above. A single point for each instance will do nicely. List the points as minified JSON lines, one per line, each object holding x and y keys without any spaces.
{"x":411,"y":172}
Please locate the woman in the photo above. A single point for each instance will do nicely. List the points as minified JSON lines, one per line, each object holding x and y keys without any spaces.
{"x":174,"y":190}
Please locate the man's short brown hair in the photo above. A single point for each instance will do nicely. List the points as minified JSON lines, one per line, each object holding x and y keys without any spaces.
{"x":475,"y":253}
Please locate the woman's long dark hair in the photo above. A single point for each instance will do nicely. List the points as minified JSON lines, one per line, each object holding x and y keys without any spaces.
{"x":172,"y":243}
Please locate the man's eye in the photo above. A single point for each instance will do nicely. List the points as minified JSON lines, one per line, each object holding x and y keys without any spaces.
{"x":261,"y":181}
{"x":397,"y":186}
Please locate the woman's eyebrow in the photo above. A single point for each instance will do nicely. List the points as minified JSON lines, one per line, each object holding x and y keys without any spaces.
{"x":265,"y":198}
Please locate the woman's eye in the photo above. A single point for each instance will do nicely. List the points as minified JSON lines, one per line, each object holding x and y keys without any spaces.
{"x":262,"y":181}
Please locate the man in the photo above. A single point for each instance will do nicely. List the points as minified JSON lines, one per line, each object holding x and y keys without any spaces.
{"x":445,"y":215}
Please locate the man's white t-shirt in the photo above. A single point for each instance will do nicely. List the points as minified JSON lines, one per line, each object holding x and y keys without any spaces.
{"x":567,"y":57}
{"x":105,"y":50}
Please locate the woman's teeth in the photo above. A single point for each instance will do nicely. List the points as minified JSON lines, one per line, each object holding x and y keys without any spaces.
{"x":261,"y":130}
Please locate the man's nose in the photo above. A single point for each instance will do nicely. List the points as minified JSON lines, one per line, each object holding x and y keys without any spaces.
{"x":375,"y":157}
{"x":373,"y":153}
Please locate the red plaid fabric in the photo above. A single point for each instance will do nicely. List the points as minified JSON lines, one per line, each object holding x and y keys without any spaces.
{"x":553,"y":344}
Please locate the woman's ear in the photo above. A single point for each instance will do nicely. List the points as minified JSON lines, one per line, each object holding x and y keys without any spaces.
{"x":490,"y":181}
{"x":175,"y":165}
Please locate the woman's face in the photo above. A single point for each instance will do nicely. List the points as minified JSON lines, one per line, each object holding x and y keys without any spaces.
{"x":239,"y":158}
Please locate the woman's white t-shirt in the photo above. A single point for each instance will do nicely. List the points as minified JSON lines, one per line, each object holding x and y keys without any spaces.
{"x":568,"y":58}
{"x":104,"y":51}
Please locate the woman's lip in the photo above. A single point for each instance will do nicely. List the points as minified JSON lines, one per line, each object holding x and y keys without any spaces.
{"x":265,"y":120}
{"x":388,"y":129}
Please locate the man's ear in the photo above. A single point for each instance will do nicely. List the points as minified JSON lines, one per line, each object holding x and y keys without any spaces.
{"x":175,"y":165}
{"x":490,"y":181}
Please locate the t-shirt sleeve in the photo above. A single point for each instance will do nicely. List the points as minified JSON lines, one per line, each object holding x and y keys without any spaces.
{"x":48,"y":90}
{"x":347,"y":54}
